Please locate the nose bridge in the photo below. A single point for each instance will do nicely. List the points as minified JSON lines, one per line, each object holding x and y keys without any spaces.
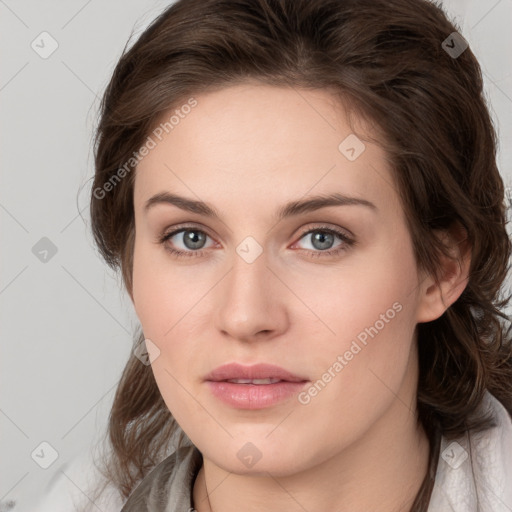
{"x":248,"y":278}
{"x":249,"y":302}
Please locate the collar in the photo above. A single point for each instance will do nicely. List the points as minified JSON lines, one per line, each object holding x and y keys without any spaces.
{"x":168,"y":487}
{"x":474,"y":472}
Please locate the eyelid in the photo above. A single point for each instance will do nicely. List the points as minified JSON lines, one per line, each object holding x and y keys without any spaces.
{"x":186,"y":226}
{"x":323,"y":225}
{"x":179,"y":228}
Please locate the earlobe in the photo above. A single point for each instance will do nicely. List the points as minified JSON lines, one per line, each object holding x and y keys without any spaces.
{"x":436,"y":297}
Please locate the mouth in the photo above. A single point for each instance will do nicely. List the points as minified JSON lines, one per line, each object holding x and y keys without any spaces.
{"x":253,"y":387}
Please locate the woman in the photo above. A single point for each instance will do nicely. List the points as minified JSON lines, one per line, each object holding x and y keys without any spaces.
{"x":303,"y":198}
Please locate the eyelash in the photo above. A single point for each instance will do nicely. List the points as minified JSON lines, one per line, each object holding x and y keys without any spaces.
{"x":347,"y":242}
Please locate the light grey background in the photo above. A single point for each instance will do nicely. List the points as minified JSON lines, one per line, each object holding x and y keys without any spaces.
{"x":67,"y":324}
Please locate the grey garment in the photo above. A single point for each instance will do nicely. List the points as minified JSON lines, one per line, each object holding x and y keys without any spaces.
{"x":168,"y":486}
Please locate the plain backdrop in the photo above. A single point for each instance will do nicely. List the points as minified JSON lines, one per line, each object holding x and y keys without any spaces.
{"x":66,"y":322}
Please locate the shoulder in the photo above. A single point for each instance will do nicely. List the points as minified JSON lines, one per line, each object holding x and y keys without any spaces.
{"x":474,"y":472}
{"x":168,"y":486}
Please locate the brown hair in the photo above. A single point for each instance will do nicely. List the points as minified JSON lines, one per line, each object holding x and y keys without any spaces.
{"x":387,"y":57}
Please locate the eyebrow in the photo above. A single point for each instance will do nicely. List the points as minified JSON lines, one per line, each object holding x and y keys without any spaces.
{"x":288,"y":210}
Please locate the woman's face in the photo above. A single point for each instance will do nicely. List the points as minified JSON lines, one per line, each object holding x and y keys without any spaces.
{"x":254,"y":286}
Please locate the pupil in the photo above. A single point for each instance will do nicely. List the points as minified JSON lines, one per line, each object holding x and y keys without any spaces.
{"x":194,"y":238}
{"x":322,"y":237}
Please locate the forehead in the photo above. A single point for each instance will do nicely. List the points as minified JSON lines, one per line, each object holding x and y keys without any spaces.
{"x":258,"y":144}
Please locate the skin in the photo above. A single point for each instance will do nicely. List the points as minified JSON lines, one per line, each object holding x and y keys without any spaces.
{"x":247,"y":150}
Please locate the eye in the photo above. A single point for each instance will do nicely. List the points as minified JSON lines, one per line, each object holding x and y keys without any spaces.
{"x":322,"y":239}
{"x":191,"y":238}
{"x":193,"y":241}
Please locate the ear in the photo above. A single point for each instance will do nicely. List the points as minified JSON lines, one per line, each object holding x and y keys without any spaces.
{"x":436,"y":298}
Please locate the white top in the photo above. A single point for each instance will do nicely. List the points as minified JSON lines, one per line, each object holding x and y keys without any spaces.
{"x":474,"y":474}
{"x":483,"y":484}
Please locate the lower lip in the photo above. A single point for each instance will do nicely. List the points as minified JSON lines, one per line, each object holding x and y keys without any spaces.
{"x":254,"y":396}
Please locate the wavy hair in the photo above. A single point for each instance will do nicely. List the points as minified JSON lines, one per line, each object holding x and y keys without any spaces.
{"x":388,"y":58}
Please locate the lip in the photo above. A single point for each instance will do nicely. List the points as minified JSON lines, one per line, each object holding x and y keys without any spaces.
{"x":253,"y":396}
{"x":256,"y":371}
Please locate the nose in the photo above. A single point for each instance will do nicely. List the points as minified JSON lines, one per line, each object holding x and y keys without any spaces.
{"x":251,"y":301}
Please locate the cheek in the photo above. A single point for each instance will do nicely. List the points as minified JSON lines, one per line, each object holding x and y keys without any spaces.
{"x":371,"y":289}
{"x":167,"y":301}
{"x":153,"y":293}
{"x":368,"y":314}
{"x":161,"y":307}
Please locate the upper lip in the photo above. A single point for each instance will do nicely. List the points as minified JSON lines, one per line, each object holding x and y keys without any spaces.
{"x":257,"y":371}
